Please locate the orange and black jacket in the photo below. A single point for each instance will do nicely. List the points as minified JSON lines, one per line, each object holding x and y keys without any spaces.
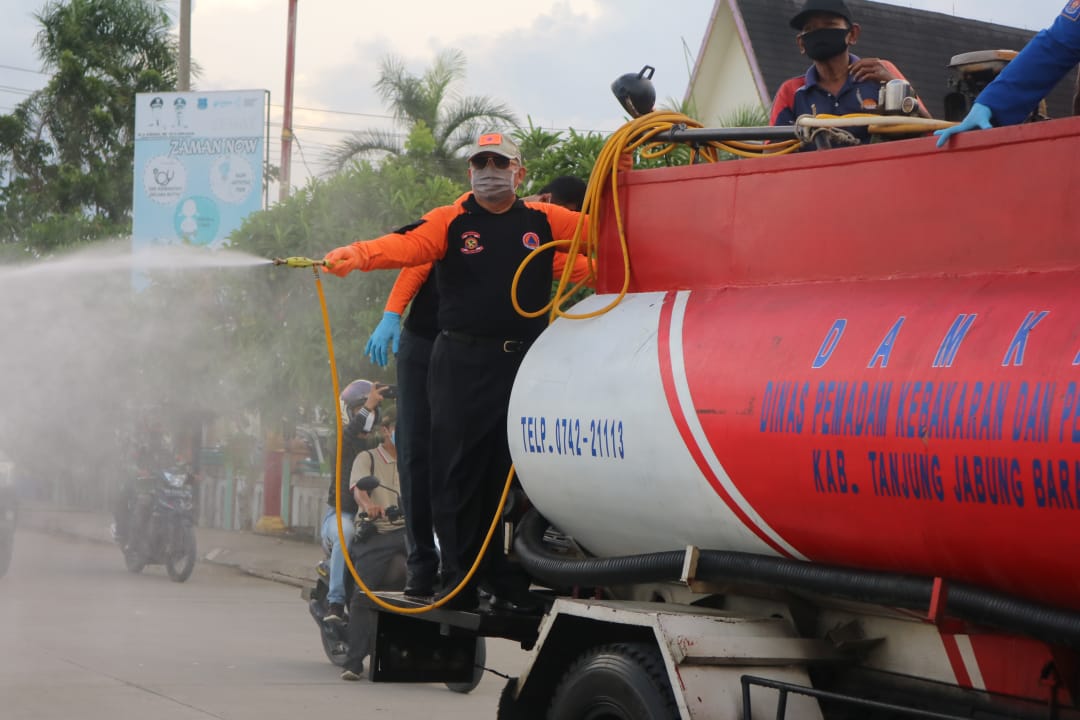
{"x":475,"y":255}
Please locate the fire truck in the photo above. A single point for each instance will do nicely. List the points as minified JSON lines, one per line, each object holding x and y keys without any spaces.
{"x":820,"y":460}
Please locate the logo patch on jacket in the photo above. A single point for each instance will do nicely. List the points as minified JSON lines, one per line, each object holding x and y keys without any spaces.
{"x":532,"y":241}
{"x":1072,"y":10}
{"x":471,"y":243}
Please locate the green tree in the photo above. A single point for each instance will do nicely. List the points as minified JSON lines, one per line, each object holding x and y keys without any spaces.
{"x":427,"y":101}
{"x":548,"y":154}
{"x":67,"y":150}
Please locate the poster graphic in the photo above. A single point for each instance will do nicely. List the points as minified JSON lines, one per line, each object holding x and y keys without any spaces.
{"x":198,"y":165}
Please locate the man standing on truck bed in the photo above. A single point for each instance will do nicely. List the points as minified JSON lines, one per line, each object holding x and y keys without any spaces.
{"x":477,"y":246}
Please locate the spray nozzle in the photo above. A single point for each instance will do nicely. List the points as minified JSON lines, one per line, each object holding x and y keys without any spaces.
{"x":299,"y":262}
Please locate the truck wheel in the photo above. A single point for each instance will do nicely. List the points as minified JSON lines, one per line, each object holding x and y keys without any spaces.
{"x":623,"y":681}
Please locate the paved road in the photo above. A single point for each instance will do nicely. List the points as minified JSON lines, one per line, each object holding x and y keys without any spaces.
{"x":80,"y":637}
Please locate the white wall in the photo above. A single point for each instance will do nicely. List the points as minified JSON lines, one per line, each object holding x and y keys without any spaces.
{"x":723,"y":78}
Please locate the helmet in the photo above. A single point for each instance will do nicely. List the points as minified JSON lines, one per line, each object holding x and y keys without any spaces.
{"x":635,"y":92}
{"x":353,"y":396}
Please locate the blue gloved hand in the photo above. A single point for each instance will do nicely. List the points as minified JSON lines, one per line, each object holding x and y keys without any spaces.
{"x":977,"y":119}
{"x":388,"y":329}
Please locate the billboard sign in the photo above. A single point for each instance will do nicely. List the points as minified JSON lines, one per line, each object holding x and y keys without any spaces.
{"x":198,"y":165}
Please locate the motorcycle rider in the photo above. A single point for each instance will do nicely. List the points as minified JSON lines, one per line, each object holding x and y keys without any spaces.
{"x":150,"y":455}
{"x":380,"y":557}
{"x":360,"y":411}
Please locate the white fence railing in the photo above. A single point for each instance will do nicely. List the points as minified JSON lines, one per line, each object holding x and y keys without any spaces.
{"x":243,"y":500}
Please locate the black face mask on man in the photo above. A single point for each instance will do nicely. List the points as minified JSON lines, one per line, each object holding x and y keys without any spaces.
{"x":825,"y":43}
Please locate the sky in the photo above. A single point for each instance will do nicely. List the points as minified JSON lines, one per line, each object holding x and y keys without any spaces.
{"x":552,"y":61}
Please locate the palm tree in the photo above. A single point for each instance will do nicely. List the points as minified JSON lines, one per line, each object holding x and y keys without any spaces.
{"x":425,"y":105}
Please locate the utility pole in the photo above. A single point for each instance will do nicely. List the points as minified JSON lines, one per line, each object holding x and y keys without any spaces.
{"x":184,"y":81}
{"x":287,"y":120}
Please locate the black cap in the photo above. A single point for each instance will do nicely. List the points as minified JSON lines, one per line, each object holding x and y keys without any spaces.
{"x":834,"y":7}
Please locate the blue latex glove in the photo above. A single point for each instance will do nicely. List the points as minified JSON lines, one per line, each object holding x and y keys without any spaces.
{"x":388,"y":329}
{"x":977,"y":119}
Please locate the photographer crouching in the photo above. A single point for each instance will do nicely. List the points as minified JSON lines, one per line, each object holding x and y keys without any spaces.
{"x":378,"y":548}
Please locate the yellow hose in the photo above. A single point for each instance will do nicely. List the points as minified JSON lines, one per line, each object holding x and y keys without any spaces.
{"x":877,"y":124}
{"x":635,"y":136}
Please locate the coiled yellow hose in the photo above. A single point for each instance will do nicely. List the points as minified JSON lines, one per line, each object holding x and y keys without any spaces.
{"x":635,"y":136}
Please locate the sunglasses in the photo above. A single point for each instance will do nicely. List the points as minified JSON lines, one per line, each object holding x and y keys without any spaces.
{"x":479,"y":162}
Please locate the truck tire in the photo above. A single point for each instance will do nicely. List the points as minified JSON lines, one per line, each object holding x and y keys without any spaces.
{"x":622,"y":681}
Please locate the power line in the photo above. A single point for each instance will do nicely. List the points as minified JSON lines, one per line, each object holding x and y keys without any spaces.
{"x":313,"y":128}
{"x":20,"y":69}
{"x":16,"y":90}
{"x":391,"y":117}
{"x":339,"y":112}
{"x":324,"y":128}
{"x":329,"y":111}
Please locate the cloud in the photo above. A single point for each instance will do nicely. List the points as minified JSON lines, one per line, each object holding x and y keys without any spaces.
{"x":556,"y":67}
{"x":552,"y":60}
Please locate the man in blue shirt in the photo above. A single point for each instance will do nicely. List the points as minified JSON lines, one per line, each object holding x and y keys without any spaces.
{"x":839,"y":82}
{"x":1013,"y":94}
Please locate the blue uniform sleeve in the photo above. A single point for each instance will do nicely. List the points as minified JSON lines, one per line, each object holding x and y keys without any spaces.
{"x":1036,"y":70}
{"x":785,"y":117}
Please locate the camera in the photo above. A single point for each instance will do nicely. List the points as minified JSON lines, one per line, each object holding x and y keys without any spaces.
{"x":389,"y":392}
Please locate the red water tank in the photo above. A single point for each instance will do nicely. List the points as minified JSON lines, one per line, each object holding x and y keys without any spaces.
{"x":873,"y":364}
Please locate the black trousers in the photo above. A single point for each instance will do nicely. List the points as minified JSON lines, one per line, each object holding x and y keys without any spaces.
{"x":380,"y":563}
{"x":413,"y":449}
{"x":469,"y":388}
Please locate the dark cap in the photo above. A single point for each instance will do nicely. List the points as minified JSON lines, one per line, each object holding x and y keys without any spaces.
{"x":833,"y":7}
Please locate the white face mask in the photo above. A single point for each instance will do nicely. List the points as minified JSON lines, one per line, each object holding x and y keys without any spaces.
{"x":492,"y":185}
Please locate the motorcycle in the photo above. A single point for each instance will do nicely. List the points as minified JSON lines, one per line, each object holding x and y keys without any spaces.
{"x":335,"y":635}
{"x":162,"y":525}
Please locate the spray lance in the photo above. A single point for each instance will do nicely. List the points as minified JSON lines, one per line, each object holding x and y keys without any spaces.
{"x":300,"y":262}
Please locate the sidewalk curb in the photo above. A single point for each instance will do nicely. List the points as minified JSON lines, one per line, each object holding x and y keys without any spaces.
{"x":217,"y":556}
{"x":223,"y":557}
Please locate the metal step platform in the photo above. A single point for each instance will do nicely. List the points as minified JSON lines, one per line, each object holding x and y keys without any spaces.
{"x":438,"y":646}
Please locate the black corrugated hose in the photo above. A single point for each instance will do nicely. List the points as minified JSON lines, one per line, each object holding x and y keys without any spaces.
{"x":965,"y":602}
